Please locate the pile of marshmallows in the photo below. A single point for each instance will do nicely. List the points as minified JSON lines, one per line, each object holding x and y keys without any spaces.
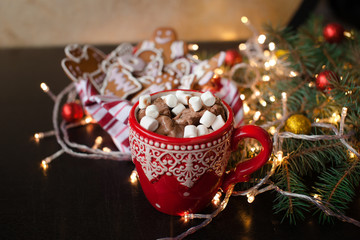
{"x":177,"y":104}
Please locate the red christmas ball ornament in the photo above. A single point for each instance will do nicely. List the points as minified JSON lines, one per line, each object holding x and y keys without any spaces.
{"x":323,"y":80}
{"x":72,"y":112}
{"x":232,"y":57}
{"x":333,"y":33}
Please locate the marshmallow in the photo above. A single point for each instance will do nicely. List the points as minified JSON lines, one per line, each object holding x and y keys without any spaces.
{"x":202,"y":130}
{"x":182,"y":97}
{"x":144,"y":101}
{"x":207,"y":118}
{"x":170,"y":100}
{"x":149,"y":123}
{"x":208,"y":98}
{"x":152,"y":111}
{"x":190,"y":131}
{"x":178,"y":109}
{"x":218,"y":123}
{"x":195,"y":103}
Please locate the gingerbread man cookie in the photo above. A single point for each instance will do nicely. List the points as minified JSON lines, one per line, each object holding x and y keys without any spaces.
{"x":165,"y":39}
{"x":84,"y":62}
{"x":120,"y":82}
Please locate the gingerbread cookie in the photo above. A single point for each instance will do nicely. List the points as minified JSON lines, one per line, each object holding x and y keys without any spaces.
{"x":154,"y":68}
{"x":120,"y":82}
{"x":204,"y":71}
{"x":149,"y":86}
{"x":84,"y":62}
{"x":112,"y":58}
{"x":181,"y":67}
{"x":131,"y":63}
{"x":187,"y":81}
{"x":148,"y":54}
{"x":165,"y":80}
{"x":165,"y":39}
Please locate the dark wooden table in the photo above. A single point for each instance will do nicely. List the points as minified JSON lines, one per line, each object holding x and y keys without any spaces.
{"x":94,"y":199}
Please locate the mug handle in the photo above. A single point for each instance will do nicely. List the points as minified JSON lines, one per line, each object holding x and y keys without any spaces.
{"x":243,"y":169}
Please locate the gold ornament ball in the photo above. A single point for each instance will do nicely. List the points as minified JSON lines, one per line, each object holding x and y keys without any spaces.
{"x":298,"y":124}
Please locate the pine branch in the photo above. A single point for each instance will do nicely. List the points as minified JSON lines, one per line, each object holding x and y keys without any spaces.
{"x":347,"y":172}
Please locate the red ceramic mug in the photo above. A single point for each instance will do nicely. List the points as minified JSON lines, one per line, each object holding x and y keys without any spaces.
{"x":182,"y":175}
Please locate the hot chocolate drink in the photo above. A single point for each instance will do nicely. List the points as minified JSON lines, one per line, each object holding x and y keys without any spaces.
{"x":182,"y":114}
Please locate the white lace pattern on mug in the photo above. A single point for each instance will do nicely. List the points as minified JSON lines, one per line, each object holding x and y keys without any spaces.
{"x":186,"y":162}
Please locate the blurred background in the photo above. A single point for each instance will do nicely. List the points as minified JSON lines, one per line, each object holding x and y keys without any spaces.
{"x":34,"y":23}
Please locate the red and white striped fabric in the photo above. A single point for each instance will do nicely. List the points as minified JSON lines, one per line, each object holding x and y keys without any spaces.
{"x":112,"y":114}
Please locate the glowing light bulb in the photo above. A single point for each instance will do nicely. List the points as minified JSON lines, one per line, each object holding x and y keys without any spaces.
{"x":44,"y":87}
{"x":257,"y":93}
{"x":133,"y":176}
{"x":266,"y":78}
{"x":267,"y":65}
{"x":106,"y":149}
{"x":271,"y":46}
{"x":218,"y":71}
{"x":317,"y":119}
{"x":267,"y":53}
{"x":272,"y":130}
{"x":98,"y":142}
{"x":263,"y":102}
{"x":193,"y":47}
{"x":44,"y":165}
{"x":261,"y":39}
{"x":246,"y":108}
{"x":244,"y":19}
{"x":88,"y":119}
{"x":347,"y":34}
{"x":272,"y":62}
{"x":38,"y":136}
{"x":216,"y":200}
{"x":293,"y":74}
{"x":278,"y":115}
{"x":335,"y":117}
{"x":317,"y":196}
{"x":344,"y":111}
{"x":279,"y":157}
{"x":242,"y":46}
{"x":242,"y":97}
{"x":186,"y":217}
{"x":257,"y":115}
{"x":250,"y":198}
{"x":284,"y":95}
{"x":46,"y":90}
{"x":272,"y":98}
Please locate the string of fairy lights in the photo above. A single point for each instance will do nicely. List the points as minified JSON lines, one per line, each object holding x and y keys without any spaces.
{"x":257,"y":55}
